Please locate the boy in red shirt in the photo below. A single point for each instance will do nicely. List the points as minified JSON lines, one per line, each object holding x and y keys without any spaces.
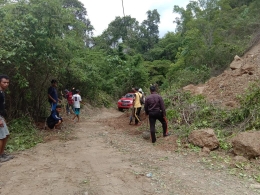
{"x":70,"y":101}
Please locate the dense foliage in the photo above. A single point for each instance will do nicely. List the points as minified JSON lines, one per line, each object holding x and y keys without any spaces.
{"x":45,"y":39}
{"x":186,"y":113}
{"x":53,"y":39}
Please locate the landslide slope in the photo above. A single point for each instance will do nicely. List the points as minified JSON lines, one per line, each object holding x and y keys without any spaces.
{"x":223,"y":89}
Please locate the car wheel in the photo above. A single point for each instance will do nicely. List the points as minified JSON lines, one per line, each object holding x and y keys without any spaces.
{"x":120,"y":109}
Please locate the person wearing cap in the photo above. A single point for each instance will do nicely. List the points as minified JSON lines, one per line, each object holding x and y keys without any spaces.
{"x":137,"y":106}
{"x":140,"y":90}
{"x":76,"y":104}
{"x":54,"y":120}
{"x":154,"y":107}
{"x":143,"y":97}
{"x":53,"y":95}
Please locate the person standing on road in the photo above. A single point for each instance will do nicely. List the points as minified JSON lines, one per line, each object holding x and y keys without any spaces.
{"x":53,"y":95}
{"x":4,"y":133}
{"x":69,"y":105}
{"x":154,"y":107}
{"x":76,"y":104}
{"x":137,"y":106}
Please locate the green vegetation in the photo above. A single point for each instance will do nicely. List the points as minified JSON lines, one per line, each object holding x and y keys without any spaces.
{"x":45,"y":39}
{"x":24,"y":135}
{"x":187,"y":113}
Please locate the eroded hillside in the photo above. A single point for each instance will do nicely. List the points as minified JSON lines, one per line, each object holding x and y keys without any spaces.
{"x":224,"y":89}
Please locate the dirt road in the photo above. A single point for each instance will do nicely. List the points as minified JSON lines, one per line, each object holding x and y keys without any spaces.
{"x":103,"y":158}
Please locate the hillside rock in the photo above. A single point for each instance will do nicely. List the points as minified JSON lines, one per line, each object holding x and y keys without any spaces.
{"x":240,"y":159}
{"x":223,"y":89}
{"x":146,"y":135}
{"x":237,"y":63}
{"x":248,"y":67}
{"x":247,"y":144}
{"x":204,"y":152}
{"x":204,"y":138}
{"x":195,"y":90}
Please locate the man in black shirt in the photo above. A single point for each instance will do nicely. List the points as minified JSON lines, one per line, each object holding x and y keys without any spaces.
{"x":53,"y":94}
{"x":4,"y":133}
{"x":154,"y":107}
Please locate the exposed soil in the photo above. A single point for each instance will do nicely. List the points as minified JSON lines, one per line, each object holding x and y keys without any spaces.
{"x":224,"y":89}
{"x":104,"y":155}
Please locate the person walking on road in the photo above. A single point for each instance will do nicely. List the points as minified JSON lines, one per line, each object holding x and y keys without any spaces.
{"x":4,"y":133}
{"x":76,"y":104}
{"x":137,"y":106}
{"x":154,"y":107}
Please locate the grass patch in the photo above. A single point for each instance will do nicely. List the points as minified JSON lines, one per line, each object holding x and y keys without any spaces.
{"x":23,"y":135}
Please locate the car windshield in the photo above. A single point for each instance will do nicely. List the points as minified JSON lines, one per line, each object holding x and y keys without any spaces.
{"x":129,"y":95}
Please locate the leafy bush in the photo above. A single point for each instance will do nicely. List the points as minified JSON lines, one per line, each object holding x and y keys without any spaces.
{"x":23,"y":135}
{"x":179,"y":75}
{"x":102,"y":99}
{"x":186,"y":113}
{"x":187,"y":109}
{"x":247,"y":116}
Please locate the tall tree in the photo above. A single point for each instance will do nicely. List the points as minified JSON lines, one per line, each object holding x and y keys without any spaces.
{"x":37,"y":43}
{"x":150,"y":30}
{"x":122,"y":30}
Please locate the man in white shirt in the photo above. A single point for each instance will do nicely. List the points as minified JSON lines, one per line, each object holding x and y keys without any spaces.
{"x":76,"y":104}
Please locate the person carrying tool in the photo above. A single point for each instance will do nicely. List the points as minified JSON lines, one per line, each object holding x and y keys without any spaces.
{"x":137,"y":106}
{"x":154,"y":107}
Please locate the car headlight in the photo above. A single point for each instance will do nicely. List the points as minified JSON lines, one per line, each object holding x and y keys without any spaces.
{"x":119,"y":100}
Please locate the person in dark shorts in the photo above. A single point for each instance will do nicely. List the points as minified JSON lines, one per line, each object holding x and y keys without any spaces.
{"x":154,"y":107}
{"x":54,"y":119}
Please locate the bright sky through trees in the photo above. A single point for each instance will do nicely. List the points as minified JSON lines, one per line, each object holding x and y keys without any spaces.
{"x":102,"y":12}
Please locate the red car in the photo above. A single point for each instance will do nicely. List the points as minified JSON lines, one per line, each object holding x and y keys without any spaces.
{"x":125,"y":102}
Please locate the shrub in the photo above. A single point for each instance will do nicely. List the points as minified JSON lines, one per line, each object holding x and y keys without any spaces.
{"x":23,"y":134}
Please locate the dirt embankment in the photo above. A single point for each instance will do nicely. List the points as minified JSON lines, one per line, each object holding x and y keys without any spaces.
{"x":224,"y":89}
{"x":104,"y":155}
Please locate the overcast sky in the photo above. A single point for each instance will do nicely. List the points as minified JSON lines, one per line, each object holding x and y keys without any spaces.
{"x":102,"y":12}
